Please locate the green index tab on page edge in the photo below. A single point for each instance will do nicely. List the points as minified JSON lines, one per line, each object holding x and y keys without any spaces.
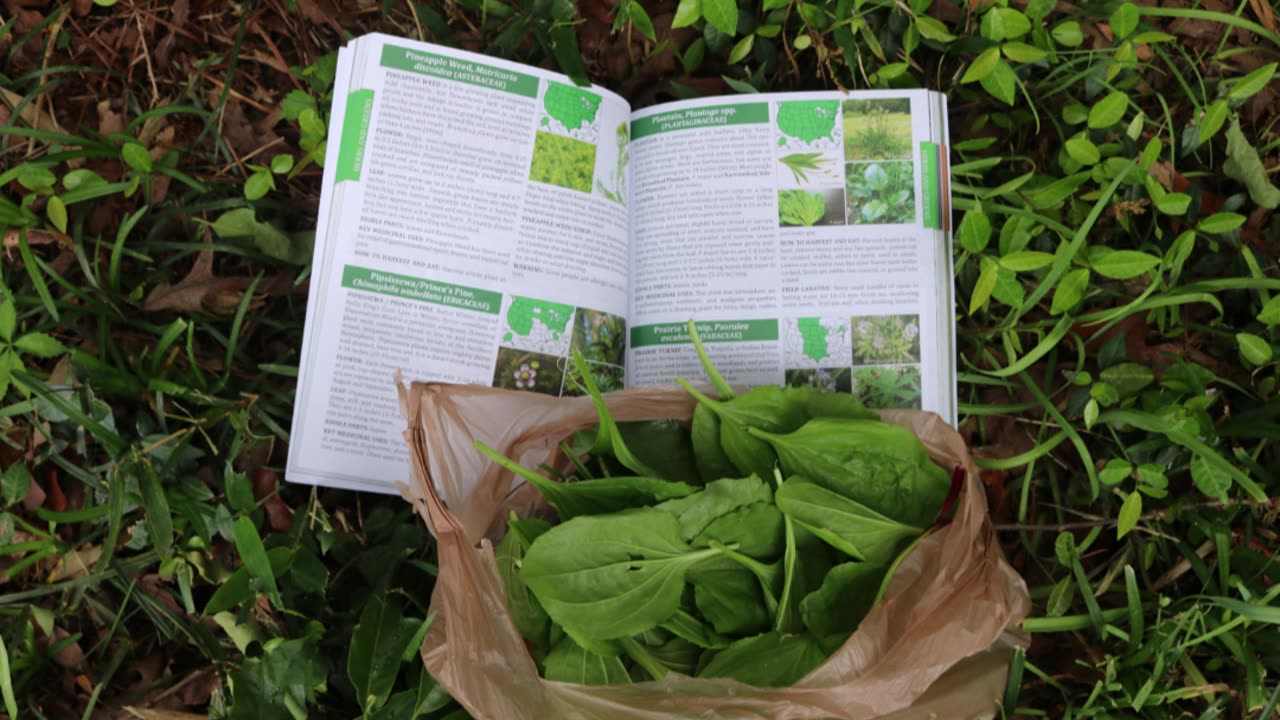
{"x":355,"y":133}
{"x":929,"y":168}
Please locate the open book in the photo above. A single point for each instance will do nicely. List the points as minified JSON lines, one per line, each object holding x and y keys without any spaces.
{"x":479,"y":218}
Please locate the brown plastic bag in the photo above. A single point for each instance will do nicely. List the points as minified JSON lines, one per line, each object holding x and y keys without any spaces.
{"x":938,"y":643}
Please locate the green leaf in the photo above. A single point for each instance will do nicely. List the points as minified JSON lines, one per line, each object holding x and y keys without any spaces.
{"x":933,"y":29}
{"x":40,"y":345}
{"x":604,"y":577}
{"x":1123,"y":22}
{"x":136,"y":156}
{"x":282,"y":163}
{"x":849,"y":526}
{"x":1128,"y":378}
{"x":1214,"y":116}
{"x":1002,"y":23}
{"x":722,"y":14}
{"x":295,"y":102}
{"x":156,"y":505}
{"x":1082,"y":150}
{"x":1070,"y":290}
{"x":1068,"y":33}
{"x":1023,"y":53}
{"x":56,"y":211}
{"x":373,"y":662}
{"x":257,"y":186}
{"x":82,"y":179}
{"x":1115,"y":472}
{"x":801,"y":207}
{"x":1270,"y":314}
{"x":974,"y":232}
{"x":254,"y":556}
{"x":741,"y":49}
{"x":8,"y":319}
{"x":775,"y":4}
{"x":1090,"y":413}
{"x":1124,"y":264}
{"x":9,"y":361}
{"x":982,"y":66}
{"x":243,"y":224}
{"x":688,"y":12}
{"x":730,"y":598}
{"x":1244,"y":165}
{"x":1249,"y":85}
{"x":641,"y":20}
{"x":1108,"y":111}
{"x":1173,"y":203}
{"x":14,"y":484}
{"x":983,"y":287}
{"x":1254,"y":349}
{"x":843,"y":599}
{"x":1026,"y":260}
{"x":739,"y":85}
{"x":1130,"y":511}
{"x":1002,"y":83}
{"x":1220,"y":223}
{"x":769,"y":660}
{"x":6,"y":682}
{"x":570,"y":662}
{"x":697,"y":512}
{"x":1209,"y":478}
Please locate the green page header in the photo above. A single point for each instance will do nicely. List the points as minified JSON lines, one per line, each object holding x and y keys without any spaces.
{"x":463,"y":71}
{"x":711,"y":331}
{"x":355,"y":133}
{"x":710,"y":116}
{"x":412,"y":288}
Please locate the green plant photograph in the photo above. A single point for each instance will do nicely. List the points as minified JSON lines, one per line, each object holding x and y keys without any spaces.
{"x":608,"y":377}
{"x":804,"y":208}
{"x":885,"y":339}
{"x":880,"y":193}
{"x":1117,"y":284}
{"x":888,"y":386}
{"x":599,"y":336}
{"x":877,"y":129}
{"x":825,"y":379}
{"x":563,"y":161}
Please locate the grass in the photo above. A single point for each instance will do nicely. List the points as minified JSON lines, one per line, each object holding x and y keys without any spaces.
{"x":1113,"y":172}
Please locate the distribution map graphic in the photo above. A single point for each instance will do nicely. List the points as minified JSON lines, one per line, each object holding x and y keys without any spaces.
{"x":817,"y":342}
{"x":538,"y":325}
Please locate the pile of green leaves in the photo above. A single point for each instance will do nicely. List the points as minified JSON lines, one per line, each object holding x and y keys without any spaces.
{"x":683,"y":549}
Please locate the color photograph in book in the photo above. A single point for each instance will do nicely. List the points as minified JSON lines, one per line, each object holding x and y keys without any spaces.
{"x":879,"y":174}
{"x":808,"y":140}
{"x":565,"y":147}
{"x":537,"y":339}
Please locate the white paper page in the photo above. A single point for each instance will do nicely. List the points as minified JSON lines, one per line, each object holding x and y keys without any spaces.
{"x":472,"y":226}
{"x":792,"y":228}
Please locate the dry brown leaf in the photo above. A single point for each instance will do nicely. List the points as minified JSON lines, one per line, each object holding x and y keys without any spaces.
{"x":76,"y":563}
{"x":109,"y":121}
{"x":32,"y":113}
{"x":200,"y":288}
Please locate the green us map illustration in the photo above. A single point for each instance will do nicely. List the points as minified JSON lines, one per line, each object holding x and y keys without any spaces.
{"x":807,"y":121}
{"x":570,"y":111}
{"x":816,"y":342}
{"x":537,"y":325}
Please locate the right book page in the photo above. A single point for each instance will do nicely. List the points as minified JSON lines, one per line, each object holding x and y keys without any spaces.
{"x":806,"y":234}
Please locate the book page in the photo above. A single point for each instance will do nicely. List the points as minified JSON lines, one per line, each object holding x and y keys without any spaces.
{"x":473,"y":227}
{"x":804,"y":234}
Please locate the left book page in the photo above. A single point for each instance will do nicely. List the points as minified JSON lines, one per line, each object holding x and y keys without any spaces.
{"x":473,"y":227}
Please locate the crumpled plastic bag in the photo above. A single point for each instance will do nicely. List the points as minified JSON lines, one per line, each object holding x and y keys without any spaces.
{"x":939,"y":642}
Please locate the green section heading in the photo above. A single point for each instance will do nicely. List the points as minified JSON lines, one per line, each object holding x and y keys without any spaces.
{"x":711,"y":116}
{"x":464,"y":71}
{"x":403,"y":286}
{"x":709,"y":331}
{"x":932,"y":185}
{"x":355,"y":132}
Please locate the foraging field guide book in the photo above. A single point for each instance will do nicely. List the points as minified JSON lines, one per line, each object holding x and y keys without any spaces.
{"x":480,"y":218}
